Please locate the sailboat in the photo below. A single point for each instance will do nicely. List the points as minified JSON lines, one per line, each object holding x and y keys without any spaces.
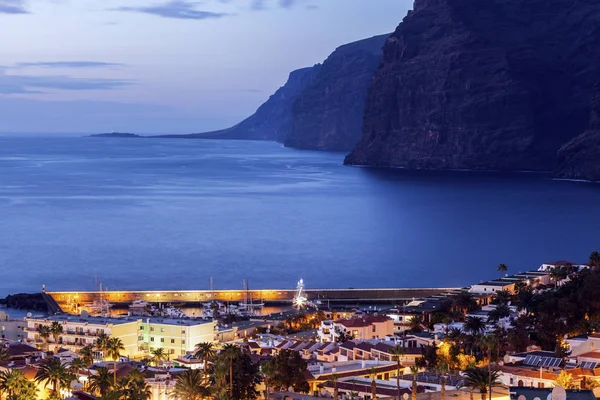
{"x":248,"y":305}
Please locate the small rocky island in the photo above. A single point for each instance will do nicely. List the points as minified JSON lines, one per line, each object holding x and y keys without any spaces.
{"x":116,"y":135}
{"x":25,"y":301}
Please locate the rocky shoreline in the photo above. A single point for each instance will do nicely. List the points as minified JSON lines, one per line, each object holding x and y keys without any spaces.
{"x":25,"y":301}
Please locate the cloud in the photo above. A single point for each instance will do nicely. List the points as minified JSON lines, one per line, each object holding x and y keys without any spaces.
{"x":69,"y":64}
{"x":13,"y":7}
{"x":179,"y":9}
{"x":287,"y":3}
{"x":258,"y":5}
{"x":26,"y":84}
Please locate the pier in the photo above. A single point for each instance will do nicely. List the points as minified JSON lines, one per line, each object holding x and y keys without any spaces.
{"x":65,"y":300}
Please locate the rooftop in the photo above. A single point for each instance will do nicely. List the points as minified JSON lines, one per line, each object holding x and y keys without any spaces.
{"x":121,"y":321}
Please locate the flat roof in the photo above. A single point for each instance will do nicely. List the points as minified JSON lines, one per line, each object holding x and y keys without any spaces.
{"x":121,"y":321}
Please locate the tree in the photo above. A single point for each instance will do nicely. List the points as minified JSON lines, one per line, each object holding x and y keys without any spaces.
{"x":397,"y":352}
{"x":76,"y":365}
{"x":86,"y":354}
{"x":269,"y":372}
{"x":565,"y":380}
{"x":373,"y":373}
{"x":474,"y":325}
{"x":480,"y":378}
{"x":102,"y":342}
{"x":488,"y":344}
{"x":502,"y":268}
{"x":133,"y":387}
{"x":101,"y":382}
{"x":17,"y":387}
{"x":246,"y":378}
{"x":589,"y":383}
{"x":464,"y":302}
{"x":159,"y":355}
{"x":343,"y":336}
{"x":595,"y":260}
{"x":415,"y":372}
{"x":334,"y":377}
{"x":114,"y":347}
{"x":501,"y":311}
{"x":53,"y":372}
{"x":289,"y":372}
{"x":557,"y":274}
{"x":56,"y":329}
{"x":442,"y":369}
{"x":205,"y":351}
{"x":230,"y":351}
{"x":502,"y":297}
{"x":44,"y":333}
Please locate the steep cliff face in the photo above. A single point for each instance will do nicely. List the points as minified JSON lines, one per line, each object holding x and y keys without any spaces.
{"x":580,"y":158}
{"x":273,"y":119}
{"x":328,"y":113}
{"x":495,"y":84}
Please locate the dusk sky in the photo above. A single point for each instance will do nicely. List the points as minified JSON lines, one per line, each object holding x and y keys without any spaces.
{"x":144,"y":66}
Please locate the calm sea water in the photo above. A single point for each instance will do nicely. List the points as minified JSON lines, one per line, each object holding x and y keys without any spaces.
{"x":168,"y":214}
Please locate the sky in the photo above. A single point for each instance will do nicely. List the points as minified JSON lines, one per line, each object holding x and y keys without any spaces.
{"x":164,"y":66}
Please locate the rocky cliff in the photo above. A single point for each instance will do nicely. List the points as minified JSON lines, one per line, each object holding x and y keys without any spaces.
{"x":580,"y":158}
{"x":328,"y":113}
{"x":273,"y":119}
{"x":495,"y":84}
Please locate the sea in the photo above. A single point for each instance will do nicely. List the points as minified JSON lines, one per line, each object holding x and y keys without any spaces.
{"x":159,"y":214}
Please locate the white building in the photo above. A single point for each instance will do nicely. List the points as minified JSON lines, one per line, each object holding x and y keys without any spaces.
{"x":139,"y":335}
{"x":11,"y":329}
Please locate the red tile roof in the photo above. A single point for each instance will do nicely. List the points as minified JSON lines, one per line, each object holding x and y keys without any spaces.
{"x":590,"y":354}
{"x":363,"y":322}
{"x":364,"y":346}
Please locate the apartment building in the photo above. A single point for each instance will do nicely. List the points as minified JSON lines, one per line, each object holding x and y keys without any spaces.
{"x":139,"y":335}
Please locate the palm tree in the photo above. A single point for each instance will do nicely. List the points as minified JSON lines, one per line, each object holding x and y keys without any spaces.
{"x":415,"y":371}
{"x":464,"y":302}
{"x":53,"y":372}
{"x":501,"y":311}
{"x":595,"y":260}
{"x":44,"y":332}
{"x":102,"y":342}
{"x":373,"y":373}
{"x":76,"y":365}
{"x":114,"y":347}
{"x":557,"y":274}
{"x":482,"y":379}
{"x":397,"y":352}
{"x":159,"y":355}
{"x":134,"y":387}
{"x":101,"y":382}
{"x":268,"y":370}
{"x":86,"y":354}
{"x":205,"y":351}
{"x":190,"y":385}
{"x":474,"y":325}
{"x":230,"y":351}
{"x":56,"y":329}
{"x":14,"y":383}
{"x":502,"y":268}
{"x":334,"y":377}
{"x":442,"y":369}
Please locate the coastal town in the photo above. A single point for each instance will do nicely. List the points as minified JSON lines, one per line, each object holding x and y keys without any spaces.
{"x":531,"y":335}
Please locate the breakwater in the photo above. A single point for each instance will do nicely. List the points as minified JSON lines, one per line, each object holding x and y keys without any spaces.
{"x":274,"y":296}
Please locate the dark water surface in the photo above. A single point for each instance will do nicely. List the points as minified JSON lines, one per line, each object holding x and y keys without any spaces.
{"x":168,"y":214}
